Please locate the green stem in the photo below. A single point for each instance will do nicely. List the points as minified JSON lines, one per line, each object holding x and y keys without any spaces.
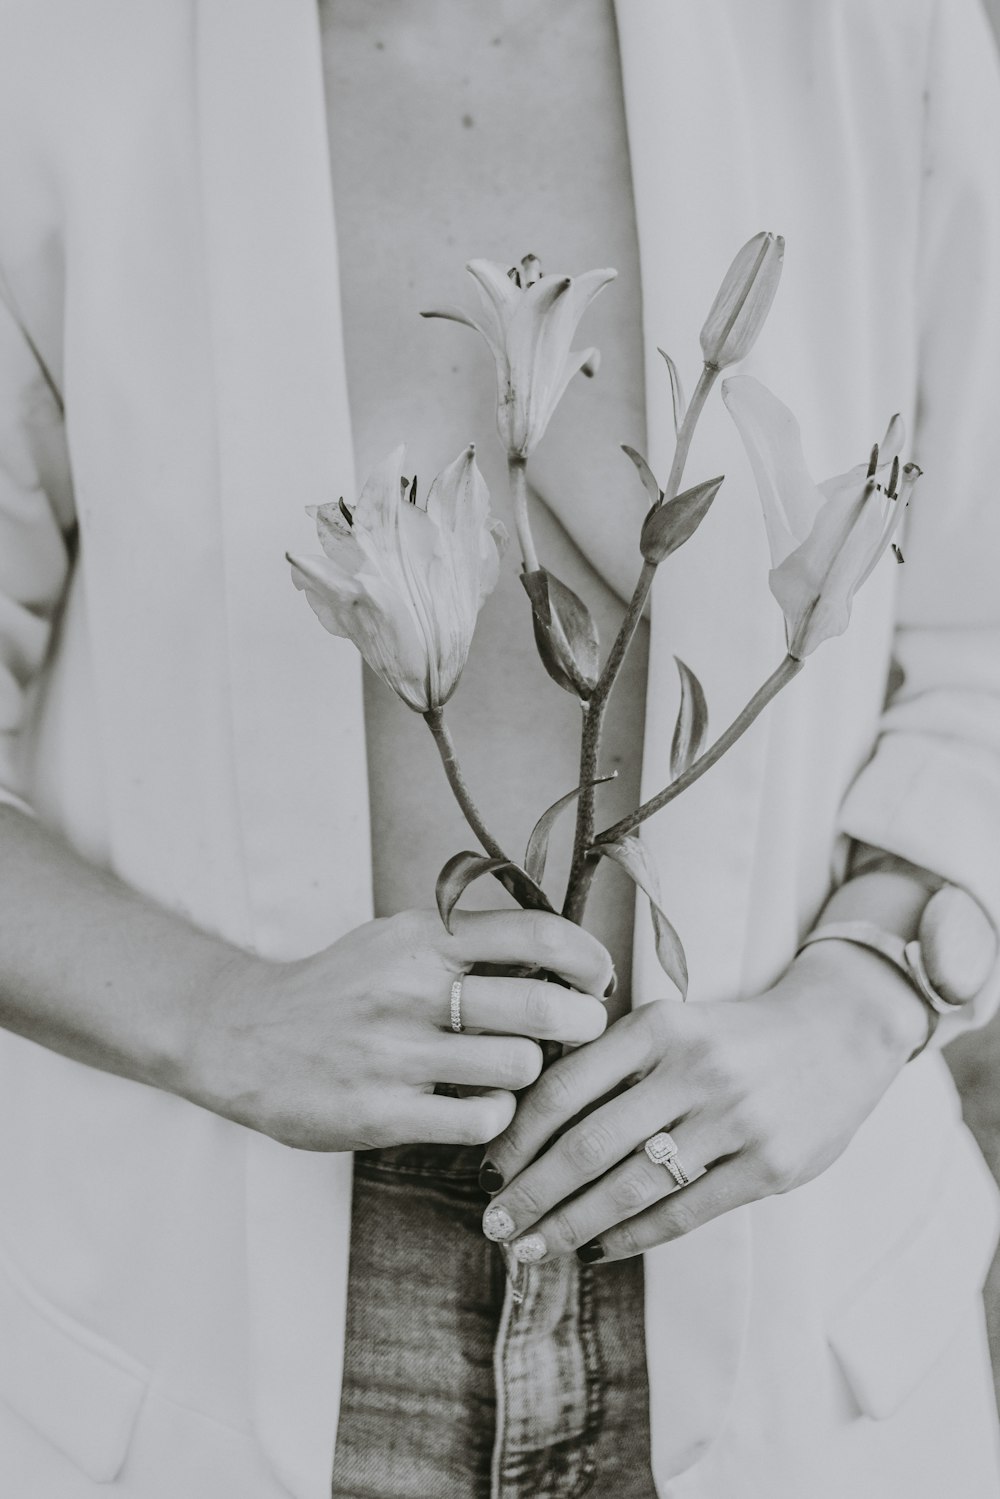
{"x":707,"y":378}
{"x":584,"y":864}
{"x":434,"y":719}
{"x":518,"y":476}
{"x":789,"y":668}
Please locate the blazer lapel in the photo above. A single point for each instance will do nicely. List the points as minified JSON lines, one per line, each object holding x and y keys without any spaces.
{"x":284,"y":442}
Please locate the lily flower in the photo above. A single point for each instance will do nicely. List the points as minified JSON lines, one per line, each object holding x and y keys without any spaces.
{"x":825,"y":539}
{"x":529,"y":321}
{"x":743,"y":301}
{"x":405,"y":581}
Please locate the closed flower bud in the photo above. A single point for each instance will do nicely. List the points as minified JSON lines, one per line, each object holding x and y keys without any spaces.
{"x":404,"y":581}
{"x":673,"y":522}
{"x":743,"y":301}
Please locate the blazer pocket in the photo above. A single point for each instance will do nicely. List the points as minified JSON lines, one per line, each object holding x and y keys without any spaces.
{"x":900,"y":1319}
{"x":76,"y":1389}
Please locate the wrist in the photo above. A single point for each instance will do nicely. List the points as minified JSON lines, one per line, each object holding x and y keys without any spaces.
{"x":193,"y":1058}
{"x":885,"y":1012}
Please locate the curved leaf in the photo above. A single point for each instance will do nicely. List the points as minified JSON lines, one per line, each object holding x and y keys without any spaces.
{"x":463,"y":869}
{"x":670,"y":525}
{"x":565,"y":633}
{"x":676,"y":390}
{"x":538,"y":844}
{"x":645,"y":474}
{"x":691,"y":728}
{"x":630,"y":854}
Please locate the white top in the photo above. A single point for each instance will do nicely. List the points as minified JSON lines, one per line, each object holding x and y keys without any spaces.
{"x":169,"y":279}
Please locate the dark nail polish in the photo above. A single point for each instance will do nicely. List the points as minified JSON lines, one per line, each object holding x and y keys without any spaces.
{"x":489,"y":1177}
{"x":589,"y":1254}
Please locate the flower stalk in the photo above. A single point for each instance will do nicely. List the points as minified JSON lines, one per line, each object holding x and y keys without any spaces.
{"x":434,"y":719}
{"x":584,"y":864}
{"x":518,"y":478}
{"x":779,"y":678}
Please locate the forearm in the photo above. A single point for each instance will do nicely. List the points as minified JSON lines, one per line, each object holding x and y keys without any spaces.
{"x":90,"y":968}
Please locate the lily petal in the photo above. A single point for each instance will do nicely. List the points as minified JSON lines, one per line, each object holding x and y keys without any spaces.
{"x":773,"y":443}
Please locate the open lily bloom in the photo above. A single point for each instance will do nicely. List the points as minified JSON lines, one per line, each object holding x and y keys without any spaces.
{"x":406,"y":581}
{"x":825,"y":539}
{"x":529,"y":321}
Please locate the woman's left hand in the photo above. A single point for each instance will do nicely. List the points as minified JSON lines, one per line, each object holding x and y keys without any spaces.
{"x":759,"y":1097}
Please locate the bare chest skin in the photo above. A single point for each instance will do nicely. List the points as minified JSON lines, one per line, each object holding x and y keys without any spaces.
{"x":457,"y":131}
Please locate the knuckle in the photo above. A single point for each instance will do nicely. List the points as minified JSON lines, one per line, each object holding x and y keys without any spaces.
{"x":632,"y":1191}
{"x":560,"y":1229}
{"x":720,"y":1069}
{"x":774,"y":1165}
{"x":553,"y":1097}
{"x":547,"y":940}
{"x":538,"y":1008}
{"x":654,"y":1021}
{"x":590,"y":1148}
{"x":408,"y":929}
{"x":626,"y":1241}
{"x":524,"y":1202}
{"x":680,"y":1218}
{"x":519,"y":1065}
{"x":479,"y":1124}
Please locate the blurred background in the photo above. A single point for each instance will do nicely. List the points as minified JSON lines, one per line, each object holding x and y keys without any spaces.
{"x":975,"y":1059}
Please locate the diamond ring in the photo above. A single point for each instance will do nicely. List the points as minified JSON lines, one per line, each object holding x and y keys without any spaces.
{"x":662,"y":1151}
{"x":456,"y":1005}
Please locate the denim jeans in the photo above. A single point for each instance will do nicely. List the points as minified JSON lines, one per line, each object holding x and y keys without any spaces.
{"x":425,"y":1346}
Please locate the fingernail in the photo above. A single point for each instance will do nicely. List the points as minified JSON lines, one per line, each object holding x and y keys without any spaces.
{"x":589,"y":1254}
{"x":498,"y":1224}
{"x":612,"y":988}
{"x":490,"y":1178}
{"x":532,"y":1247}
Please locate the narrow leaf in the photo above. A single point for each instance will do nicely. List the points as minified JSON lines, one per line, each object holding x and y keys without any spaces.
{"x":465,"y":868}
{"x":670,"y":525}
{"x":538,"y":844}
{"x":630,"y":854}
{"x":691,"y":728}
{"x":645,"y":474}
{"x":676,"y":391}
{"x":565,"y":633}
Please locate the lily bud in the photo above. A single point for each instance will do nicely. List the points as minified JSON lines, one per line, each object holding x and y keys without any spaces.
{"x":565,"y":633}
{"x":743,"y":301}
{"x":529,"y":321}
{"x":670,"y":524}
{"x":824,"y":539}
{"x":404,"y":581}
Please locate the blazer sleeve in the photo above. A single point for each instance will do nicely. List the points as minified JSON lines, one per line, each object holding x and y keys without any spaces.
{"x":36,"y":523}
{"x":931,"y":792}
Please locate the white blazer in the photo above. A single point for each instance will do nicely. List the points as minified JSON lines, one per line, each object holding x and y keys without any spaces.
{"x":172,"y":394}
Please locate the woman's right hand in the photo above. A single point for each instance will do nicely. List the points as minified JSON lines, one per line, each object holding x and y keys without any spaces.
{"x":342,"y":1050}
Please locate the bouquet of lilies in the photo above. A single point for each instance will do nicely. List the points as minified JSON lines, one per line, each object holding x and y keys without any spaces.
{"x":404,"y":576}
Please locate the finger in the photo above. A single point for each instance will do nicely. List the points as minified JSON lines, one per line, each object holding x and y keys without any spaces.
{"x":724,"y":1187}
{"x":538,"y":938}
{"x":584,"y":1154}
{"x":566,"y":1088}
{"x":438,"y":1120}
{"x":506,"y":1062}
{"x":531,"y":1007}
